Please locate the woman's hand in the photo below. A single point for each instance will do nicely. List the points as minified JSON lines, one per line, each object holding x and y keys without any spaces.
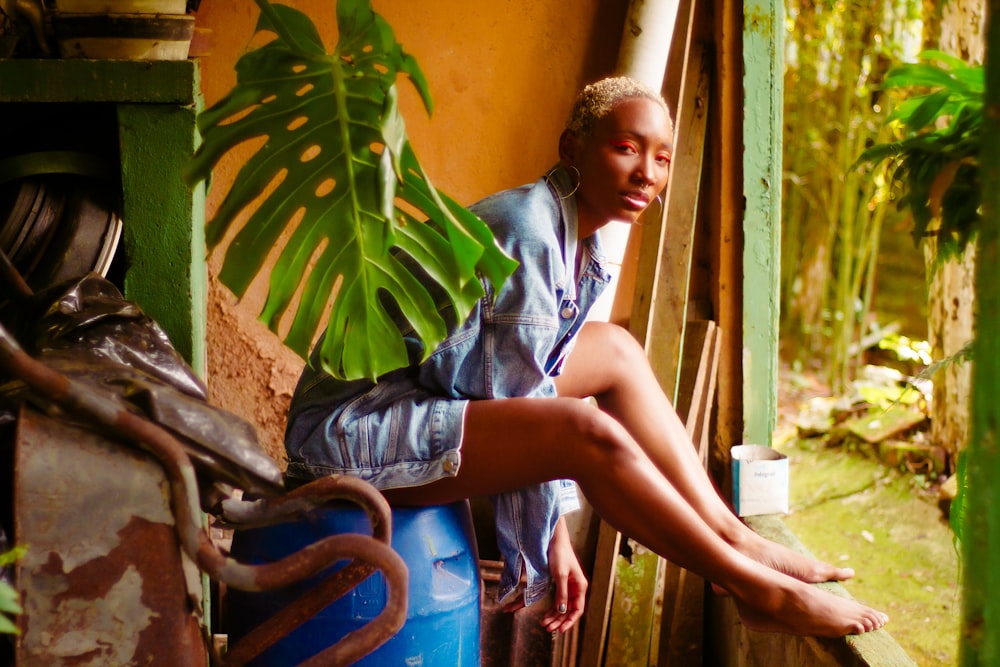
{"x":570,"y":583}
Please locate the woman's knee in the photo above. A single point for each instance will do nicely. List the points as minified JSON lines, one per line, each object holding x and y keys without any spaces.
{"x":620,"y":345}
{"x":613,"y":353}
{"x":597,"y":437}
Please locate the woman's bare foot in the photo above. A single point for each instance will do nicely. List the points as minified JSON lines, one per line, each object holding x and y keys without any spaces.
{"x":798,"y":608}
{"x":788,"y":561}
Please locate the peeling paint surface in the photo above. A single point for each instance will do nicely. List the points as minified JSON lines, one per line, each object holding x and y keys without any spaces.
{"x":90,"y":624}
{"x":103,"y":580}
{"x":118,"y":503}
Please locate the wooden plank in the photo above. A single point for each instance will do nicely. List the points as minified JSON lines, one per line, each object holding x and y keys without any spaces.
{"x":668,"y":311}
{"x":763,"y":81}
{"x":565,"y":648}
{"x":701,"y":437}
{"x":685,"y":643}
{"x":698,"y":341}
{"x":694,"y":404}
{"x":659,"y":299}
{"x":595,"y":617}
{"x":630,"y":628}
{"x":659,"y":591}
{"x":680,"y":634}
{"x":647,"y":233}
{"x":634,"y":298}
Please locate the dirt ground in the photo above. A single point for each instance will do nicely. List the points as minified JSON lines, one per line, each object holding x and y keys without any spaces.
{"x":852,"y":510}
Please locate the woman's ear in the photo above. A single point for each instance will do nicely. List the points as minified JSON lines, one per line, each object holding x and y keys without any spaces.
{"x":569,"y":147}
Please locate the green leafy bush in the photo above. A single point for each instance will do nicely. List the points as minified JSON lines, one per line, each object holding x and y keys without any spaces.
{"x":935,"y":162}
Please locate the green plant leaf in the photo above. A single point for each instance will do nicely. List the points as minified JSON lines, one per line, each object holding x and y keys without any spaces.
{"x":928,"y":108}
{"x":915,"y":74}
{"x":947,"y":60}
{"x":934,"y":157}
{"x":11,"y":556}
{"x":338,"y":193}
{"x":7,"y":627}
{"x":9,"y":597}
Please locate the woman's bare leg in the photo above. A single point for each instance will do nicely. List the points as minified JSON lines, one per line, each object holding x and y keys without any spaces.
{"x":608,"y":364}
{"x":514,"y":442}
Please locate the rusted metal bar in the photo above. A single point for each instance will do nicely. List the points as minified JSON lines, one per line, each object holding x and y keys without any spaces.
{"x":302,"y":500}
{"x":86,"y":401}
{"x":369,"y":553}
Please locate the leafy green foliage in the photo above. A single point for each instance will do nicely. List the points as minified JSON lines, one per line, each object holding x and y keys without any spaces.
{"x":337,"y":176}
{"x":935,"y":162}
{"x":8,"y":607}
{"x":9,"y":598}
{"x":906,"y":349}
{"x":834,"y":217}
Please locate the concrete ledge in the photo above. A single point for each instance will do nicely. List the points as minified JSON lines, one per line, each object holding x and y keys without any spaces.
{"x":728,"y":643}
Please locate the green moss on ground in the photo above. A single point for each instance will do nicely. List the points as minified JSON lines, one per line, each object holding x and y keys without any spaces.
{"x":853,"y":511}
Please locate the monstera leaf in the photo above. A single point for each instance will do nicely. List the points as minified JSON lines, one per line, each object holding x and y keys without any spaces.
{"x":337,"y":176}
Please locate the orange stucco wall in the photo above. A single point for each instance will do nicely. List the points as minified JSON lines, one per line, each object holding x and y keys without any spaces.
{"x":502,"y":76}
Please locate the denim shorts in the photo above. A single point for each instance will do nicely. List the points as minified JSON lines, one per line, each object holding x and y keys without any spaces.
{"x":394,"y":435}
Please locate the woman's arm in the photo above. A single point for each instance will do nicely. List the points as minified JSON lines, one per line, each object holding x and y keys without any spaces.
{"x":570,"y":582}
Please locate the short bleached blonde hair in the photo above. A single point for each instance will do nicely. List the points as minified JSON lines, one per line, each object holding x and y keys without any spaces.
{"x":597,"y":99}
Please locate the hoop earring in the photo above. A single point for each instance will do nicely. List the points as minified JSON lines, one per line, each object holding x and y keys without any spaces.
{"x":575,"y":188}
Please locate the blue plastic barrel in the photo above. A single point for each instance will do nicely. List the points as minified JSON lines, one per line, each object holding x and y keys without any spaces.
{"x":443,"y":617}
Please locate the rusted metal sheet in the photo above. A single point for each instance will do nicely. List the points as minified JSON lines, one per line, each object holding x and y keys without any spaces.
{"x":131,"y":497}
{"x":103,"y":580}
{"x":114,"y":523}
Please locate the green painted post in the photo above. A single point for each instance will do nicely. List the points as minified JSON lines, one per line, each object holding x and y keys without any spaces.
{"x":980,"y":642}
{"x":763,"y":82}
{"x":164,"y":223}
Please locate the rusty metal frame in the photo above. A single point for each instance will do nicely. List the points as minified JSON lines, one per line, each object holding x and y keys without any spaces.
{"x":54,"y":391}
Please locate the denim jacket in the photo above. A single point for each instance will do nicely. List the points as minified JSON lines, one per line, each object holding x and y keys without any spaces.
{"x":512,"y":345}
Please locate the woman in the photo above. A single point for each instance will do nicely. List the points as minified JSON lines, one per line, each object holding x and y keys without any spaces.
{"x":501,"y":407}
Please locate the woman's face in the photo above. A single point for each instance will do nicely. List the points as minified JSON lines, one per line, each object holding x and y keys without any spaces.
{"x":623,"y":165}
